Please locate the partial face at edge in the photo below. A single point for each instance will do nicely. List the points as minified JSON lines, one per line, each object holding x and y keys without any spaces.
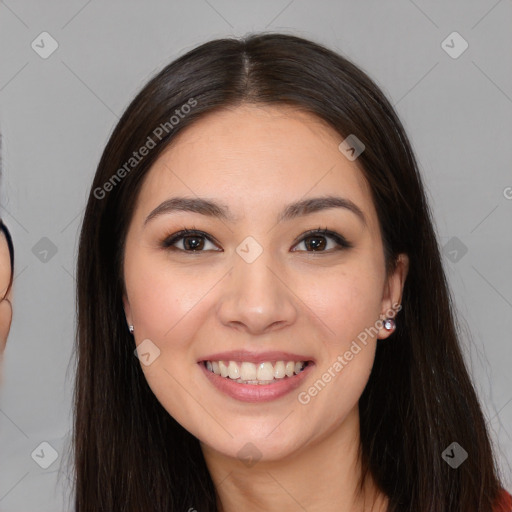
{"x":5,"y":303}
{"x":309,"y":296}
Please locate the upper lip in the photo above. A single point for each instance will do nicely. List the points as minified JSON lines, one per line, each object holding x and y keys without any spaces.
{"x":255,"y":357}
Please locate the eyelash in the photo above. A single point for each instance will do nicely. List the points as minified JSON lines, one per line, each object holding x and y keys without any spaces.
{"x":170,"y":240}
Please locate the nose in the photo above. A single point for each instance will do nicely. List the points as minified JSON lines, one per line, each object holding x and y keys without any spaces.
{"x":256,"y":296}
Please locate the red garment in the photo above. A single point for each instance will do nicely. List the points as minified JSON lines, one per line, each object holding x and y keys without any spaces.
{"x":504,"y":503}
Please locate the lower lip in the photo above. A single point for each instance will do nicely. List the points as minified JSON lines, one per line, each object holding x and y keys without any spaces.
{"x":256,"y":392}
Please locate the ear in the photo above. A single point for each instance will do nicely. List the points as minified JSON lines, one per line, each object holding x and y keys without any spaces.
{"x":393,"y":290}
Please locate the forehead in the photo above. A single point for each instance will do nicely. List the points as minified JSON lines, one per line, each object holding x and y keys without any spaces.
{"x":253,"y":155}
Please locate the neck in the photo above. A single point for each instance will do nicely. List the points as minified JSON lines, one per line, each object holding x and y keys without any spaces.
{"x":322,"y":476}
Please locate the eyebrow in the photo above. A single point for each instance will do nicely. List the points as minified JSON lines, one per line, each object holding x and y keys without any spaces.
{"x":221,"y":211}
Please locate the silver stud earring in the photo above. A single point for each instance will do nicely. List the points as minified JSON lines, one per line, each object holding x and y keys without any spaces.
{"x":389,"y":324}
{"x":130,"y":328}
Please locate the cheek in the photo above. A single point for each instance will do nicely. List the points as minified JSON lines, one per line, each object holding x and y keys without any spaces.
{"x":347,"y":300}
{"x":339,"y":381}
{"x":161,"y":298}
{"x":348,"y":304}
{"x":166,"y":307}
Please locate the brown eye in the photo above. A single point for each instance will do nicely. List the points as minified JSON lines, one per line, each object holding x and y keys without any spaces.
{"x":316,"y":241}
{"x":188,"y":241}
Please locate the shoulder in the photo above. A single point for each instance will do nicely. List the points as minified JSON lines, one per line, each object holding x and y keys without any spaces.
{"x":504,"y":502}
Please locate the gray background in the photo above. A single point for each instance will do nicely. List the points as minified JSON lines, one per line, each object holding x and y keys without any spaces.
{"x":57,"y":113}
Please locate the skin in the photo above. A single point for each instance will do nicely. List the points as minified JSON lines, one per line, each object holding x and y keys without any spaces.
{"x":290,"y":298}
{"x":5,"y":303}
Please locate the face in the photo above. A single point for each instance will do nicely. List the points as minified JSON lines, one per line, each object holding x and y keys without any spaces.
{"x":252,"y":286}
{"x":5,"y":304}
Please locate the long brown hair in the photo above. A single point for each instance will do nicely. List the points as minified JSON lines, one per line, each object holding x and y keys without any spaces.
{"x":129,"y":453}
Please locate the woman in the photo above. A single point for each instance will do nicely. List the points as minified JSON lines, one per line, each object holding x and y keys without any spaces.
{"x":6,"y":277}
{"x":263,"y":318}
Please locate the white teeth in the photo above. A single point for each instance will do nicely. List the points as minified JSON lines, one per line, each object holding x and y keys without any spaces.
{"x":279,"y":370}
{"x":233,"y":370}
{"x":265,"y":371}
{"x":250,"y":373}
{"x":223,"y":369}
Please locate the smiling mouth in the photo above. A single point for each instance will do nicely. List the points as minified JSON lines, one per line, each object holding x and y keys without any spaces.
{"x":244,"y":372}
